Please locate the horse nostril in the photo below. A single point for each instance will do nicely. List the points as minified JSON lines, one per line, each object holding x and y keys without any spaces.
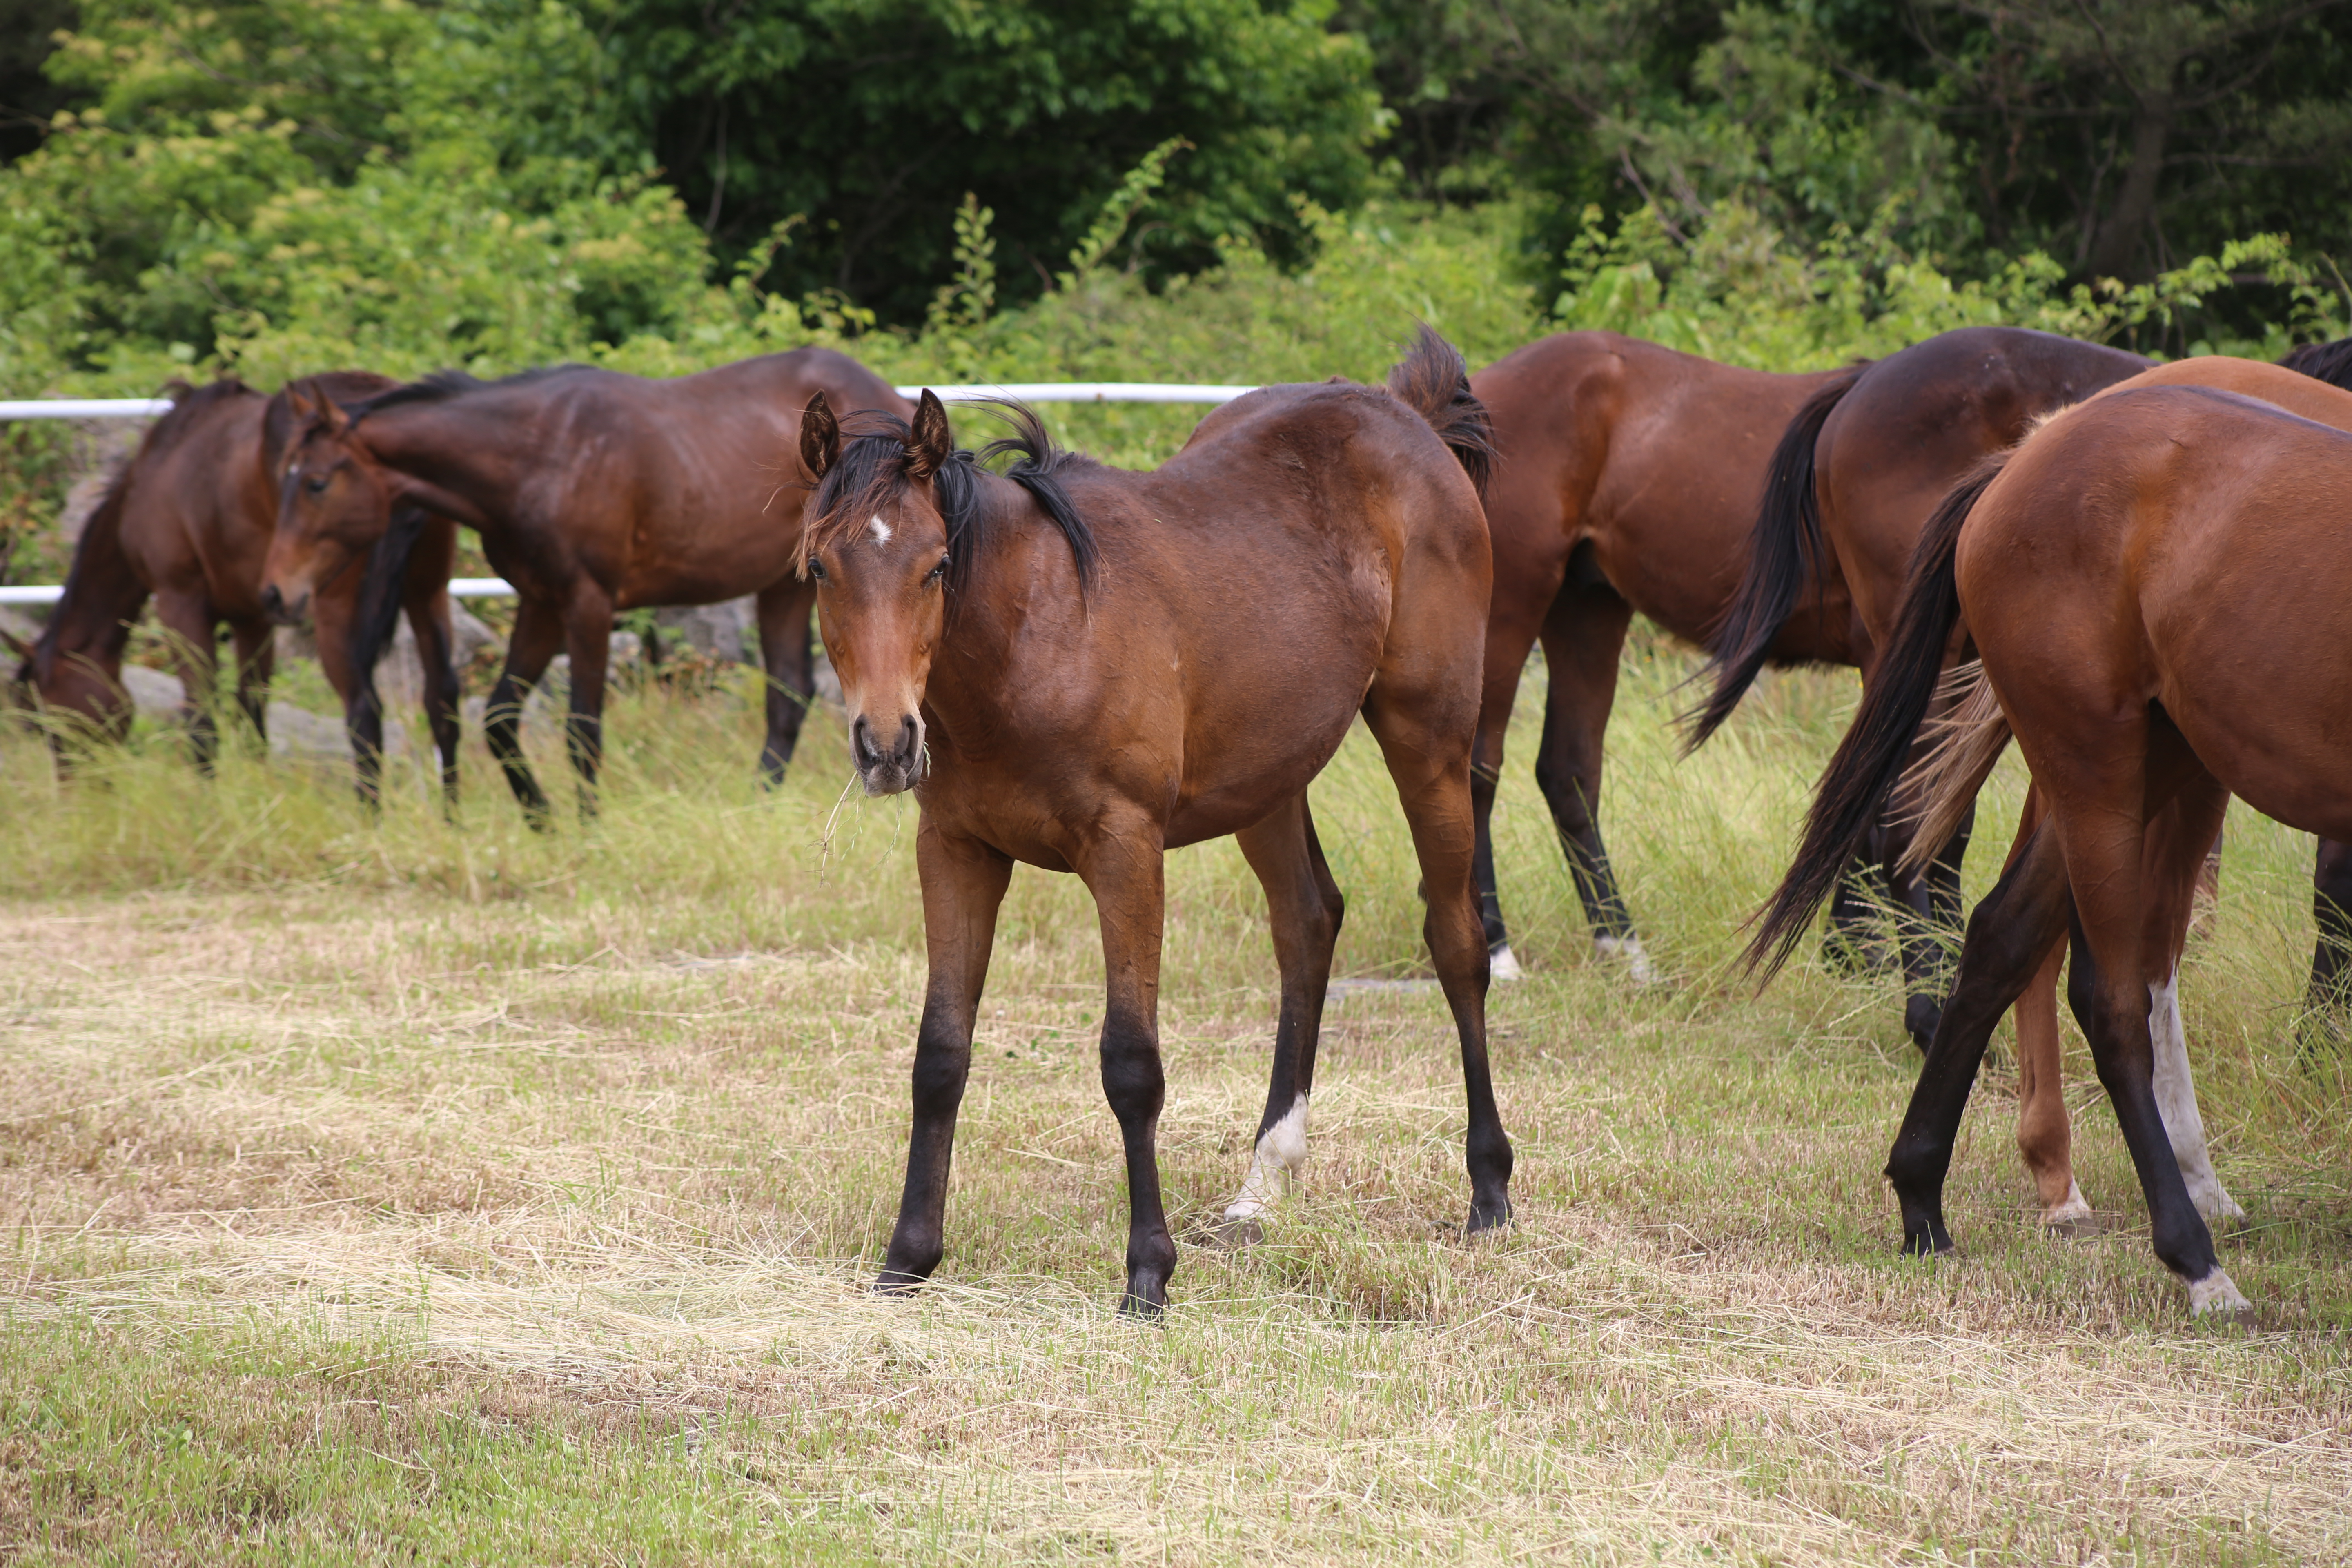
{"x":861,"y":742}
{"x":273,"y":602}
{"x":909,"y":740}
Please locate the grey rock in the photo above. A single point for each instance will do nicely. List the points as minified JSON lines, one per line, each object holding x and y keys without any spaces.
{"x":727,"y":630}
{"x":400,"y":673}
{"x":154,"y":692}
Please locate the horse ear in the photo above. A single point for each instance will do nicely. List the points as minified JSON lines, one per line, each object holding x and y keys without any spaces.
{"x":331,"y":415}
{"x":932,"y":443}
{"x":820,"y":437}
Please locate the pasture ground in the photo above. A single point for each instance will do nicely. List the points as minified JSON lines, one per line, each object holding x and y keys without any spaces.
{"x":403,"y":1191}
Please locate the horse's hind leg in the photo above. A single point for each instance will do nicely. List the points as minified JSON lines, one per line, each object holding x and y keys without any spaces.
{"x":2170,"y":909}
{"x":2045,"y":1132}
{"x":1926,"y":914}
{"x":2099,"y":806}
{"x":1583,"y":639}
{"x":2017,"y":922}
{"x":1305,"y":907}
{"x":2324,"y":999}
{"x":1423,"y":737}
{"x":791,"y":670}
{"x":1512,"y":625}
{"x":538,"y":632}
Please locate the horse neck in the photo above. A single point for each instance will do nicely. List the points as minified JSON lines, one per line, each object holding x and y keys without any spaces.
{"x":466,"y":458}
{"x":103,"y":592}
{"x":1023,"y":575}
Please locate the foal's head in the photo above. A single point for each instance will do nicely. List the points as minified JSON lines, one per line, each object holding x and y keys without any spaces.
{"x":879,"y":541}
{"x":333,"y":499}
{"x":898,"y":518}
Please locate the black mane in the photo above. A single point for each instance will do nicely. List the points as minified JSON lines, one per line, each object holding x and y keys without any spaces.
{"x":873,"y":464}
{"x":2330,"y":363}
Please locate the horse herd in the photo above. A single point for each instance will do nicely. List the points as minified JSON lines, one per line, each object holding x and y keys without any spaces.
{"x":2126,"y":569}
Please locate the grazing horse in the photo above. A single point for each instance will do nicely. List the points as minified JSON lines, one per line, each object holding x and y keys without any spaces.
{"x":1855,"y":477}
{"x":1946,"y":779}
{"x":592,"y":492}
{"x":1082,"y":668}
{"x":2154,"y":584}
{"x":188,"y":522}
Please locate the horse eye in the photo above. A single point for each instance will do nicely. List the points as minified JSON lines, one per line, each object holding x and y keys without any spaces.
{"x":816,"y":569}
{"x":315,"y":484}
{"x":936,"y":573}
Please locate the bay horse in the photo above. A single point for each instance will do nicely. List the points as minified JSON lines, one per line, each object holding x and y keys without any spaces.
{"x":1081,"y":667}
{"x":1940,"y":786}
{"x":187,"y":521}
{"x":2153,"y":584}
{"x":592,"y":492}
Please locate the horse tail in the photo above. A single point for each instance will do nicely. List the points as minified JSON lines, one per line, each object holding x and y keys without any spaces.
{"x":1854,"y":789}
{"x":2330,"y":363}
{"x":1433,"y":380}
{"x":1937,"y":791}
{"x":1784,"y":551}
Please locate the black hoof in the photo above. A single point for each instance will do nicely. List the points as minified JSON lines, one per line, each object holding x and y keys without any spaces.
{"x":1488,"y":1218}
{"x":1146,"y":1300}
{"x":897,"y":1282}
{"x":1932,"y":1243}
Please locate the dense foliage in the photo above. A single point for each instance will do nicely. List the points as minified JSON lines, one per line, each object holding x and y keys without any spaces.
{"x":1028,"y":188}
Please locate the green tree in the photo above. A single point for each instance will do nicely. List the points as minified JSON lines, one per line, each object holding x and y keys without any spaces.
{"x":2122,"y":134}
{"x":871,"y":120}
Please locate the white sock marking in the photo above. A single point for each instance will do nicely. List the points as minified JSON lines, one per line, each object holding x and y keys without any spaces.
{"x":1503,"y":964}
{"x":2068,"y":1210}
{"x":1281,"y":1152}
{"x":2217,"y":1292}
{"x":2176,"y":1101}
{"x":1638,"y":967}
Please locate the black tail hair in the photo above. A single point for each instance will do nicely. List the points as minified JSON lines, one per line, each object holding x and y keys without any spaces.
{"x":1784,"y":551}
{"x":2330,"y":363}
{"x":1433,"y":380}
{"x":1852,"y":793}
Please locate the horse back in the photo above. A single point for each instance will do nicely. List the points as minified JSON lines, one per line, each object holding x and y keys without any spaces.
{"x":1655,"y":458}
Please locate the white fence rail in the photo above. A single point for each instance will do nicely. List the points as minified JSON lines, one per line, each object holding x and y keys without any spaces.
{"x":497,"y":587}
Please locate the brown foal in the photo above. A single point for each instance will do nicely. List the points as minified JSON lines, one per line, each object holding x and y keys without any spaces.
{"x":592,"y":492}
{"x":188,"y":520}
{"x":2153,"y":584}
{"x":1081,"y":667}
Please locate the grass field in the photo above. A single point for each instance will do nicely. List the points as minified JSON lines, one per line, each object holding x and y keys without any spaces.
{"x":404,"y":1191}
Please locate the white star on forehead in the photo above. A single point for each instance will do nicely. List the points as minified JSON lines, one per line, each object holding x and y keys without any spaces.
{"x":881,"y":531}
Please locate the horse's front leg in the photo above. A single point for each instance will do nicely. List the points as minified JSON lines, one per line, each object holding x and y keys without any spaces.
{"x":188,"y":619}
{"x":1124,"y":872}
{"x":588,"y":638}
{"x":963,"y":883}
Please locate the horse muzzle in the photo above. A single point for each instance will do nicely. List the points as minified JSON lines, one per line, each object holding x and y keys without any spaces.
{"x":888,"y":761}
{"x":281,"y":610}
